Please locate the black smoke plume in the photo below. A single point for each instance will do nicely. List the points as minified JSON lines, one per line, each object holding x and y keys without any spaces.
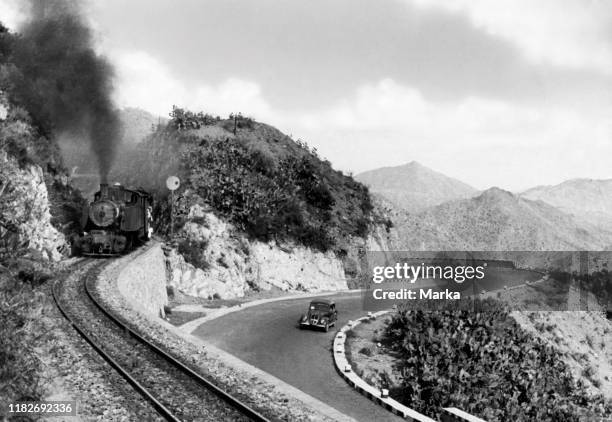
{"x":63,"y":83}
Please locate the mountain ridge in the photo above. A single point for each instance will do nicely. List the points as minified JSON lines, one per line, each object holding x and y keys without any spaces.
{"x":588,"y":200}
{"x":414,"y":187}
{"x":498,"y":220}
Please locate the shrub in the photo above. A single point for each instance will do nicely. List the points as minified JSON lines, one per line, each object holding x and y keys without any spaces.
{"x":184,"y":119}
{"x":20,"y":377}
{"x":241,"y":121}
{"x":480,"y":360}
{"x":264,"y":183}
{"x":192,"y":251}
{"x":366,"y":351}
{"x":32,"y":272}
{"x":285,"y":199}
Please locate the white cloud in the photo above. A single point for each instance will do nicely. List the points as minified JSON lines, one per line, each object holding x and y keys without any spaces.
{"x":572,"y":33}
{"x":473,"y":121}
{"x":145,"y":82}
{"x":479,"y":140}
{"x":482,"y":141}
{"x":12,"y":13}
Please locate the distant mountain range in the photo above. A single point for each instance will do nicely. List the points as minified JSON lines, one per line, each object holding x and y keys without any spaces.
{"x":498,"y":220}
{"x":433,"y":212}
{"x":414,"y":187}
{"x":586,"y":199}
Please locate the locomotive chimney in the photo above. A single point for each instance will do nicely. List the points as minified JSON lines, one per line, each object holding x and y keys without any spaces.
{"x":103,"y":190}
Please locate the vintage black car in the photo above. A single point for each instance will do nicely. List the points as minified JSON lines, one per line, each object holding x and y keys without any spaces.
{"x":322,"y":313}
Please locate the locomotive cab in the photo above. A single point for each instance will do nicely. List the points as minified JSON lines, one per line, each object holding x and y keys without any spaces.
{"x":117,"y":220}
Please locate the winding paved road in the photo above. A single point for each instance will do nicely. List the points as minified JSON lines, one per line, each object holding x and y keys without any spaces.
{"x":266,"y":336}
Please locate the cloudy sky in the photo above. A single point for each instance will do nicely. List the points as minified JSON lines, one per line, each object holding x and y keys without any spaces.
{"x":511,"y":93}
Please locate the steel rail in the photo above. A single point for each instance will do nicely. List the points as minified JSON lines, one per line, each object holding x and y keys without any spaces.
{"x":228,"y":398}
{"x":159,"y":407}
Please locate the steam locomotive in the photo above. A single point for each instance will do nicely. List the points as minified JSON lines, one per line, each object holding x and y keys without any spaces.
{"x":117,"y":221}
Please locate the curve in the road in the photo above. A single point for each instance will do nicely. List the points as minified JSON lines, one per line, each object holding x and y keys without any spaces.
{"x":267,"y":336}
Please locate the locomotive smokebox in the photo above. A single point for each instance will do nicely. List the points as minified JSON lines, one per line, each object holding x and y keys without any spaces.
{"x":116,"y":221}
{"x":103,"y":190}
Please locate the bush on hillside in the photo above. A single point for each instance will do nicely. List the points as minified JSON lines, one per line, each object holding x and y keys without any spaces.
{"x":599,"y":283}
{"x":20,"y":376}
{"x":192,"y":251}
{"x":184,"y":119}
{"x":239,"y":122}
{"x":478,"y":359}
{"x":264,"y":182}
{"x":286,"y":198}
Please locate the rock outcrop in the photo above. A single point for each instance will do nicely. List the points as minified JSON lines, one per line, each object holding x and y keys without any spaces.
{"x":24,"y":208}
{"x":227,"y":264}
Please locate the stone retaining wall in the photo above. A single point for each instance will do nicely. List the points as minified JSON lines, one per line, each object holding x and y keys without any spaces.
{"x":143,"y":282}
{"x":258,"y":389}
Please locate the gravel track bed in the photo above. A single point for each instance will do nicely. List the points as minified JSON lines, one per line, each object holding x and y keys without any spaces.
{"x":258,"y":394}
{"x":77,"y":372}
{"x":177,"y":391}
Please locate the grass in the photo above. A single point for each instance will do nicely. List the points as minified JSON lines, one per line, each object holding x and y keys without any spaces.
{"x":23,"y":303}
{"x":193,"y":252}
{"x":179,"y":318}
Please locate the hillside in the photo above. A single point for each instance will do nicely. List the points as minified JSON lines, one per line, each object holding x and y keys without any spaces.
{"x":586,"y":199}
{"x":137,"y":124}
{"x":260,"y":180}
{"x":414,"y":187}
{"x":498,"y":220}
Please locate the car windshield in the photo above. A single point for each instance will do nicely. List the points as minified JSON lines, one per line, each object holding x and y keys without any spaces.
{"x":319,"y":306}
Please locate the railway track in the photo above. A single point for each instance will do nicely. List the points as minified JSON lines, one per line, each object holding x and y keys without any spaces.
{"x":175,"y":391}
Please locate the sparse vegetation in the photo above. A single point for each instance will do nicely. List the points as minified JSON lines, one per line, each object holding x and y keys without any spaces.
{"x":185,"y":119}
{"x":366,"y":351}
{"x":268,"y":185}
{"x":21,"y":306}
{"x":192,"y":251}
{"x":599,"y":283}
{"x":482,"y":362}
{"x":282,"y":199}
